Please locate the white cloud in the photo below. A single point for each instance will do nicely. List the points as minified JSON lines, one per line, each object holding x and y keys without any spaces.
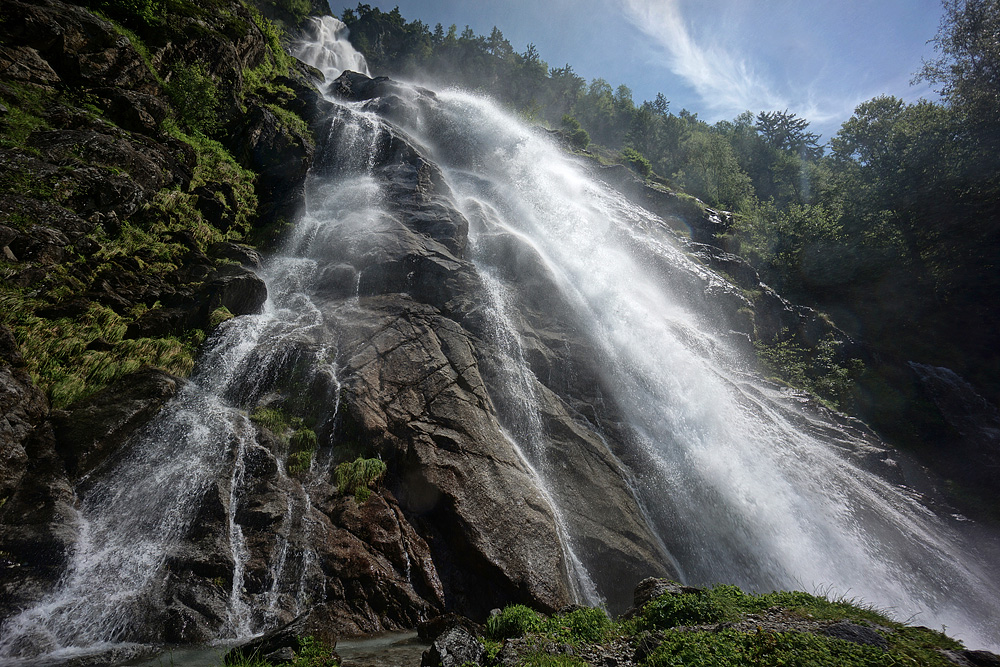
{"x":727,"y":84}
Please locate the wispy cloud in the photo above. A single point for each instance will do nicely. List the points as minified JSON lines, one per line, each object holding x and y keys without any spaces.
{"x":727,"y":84}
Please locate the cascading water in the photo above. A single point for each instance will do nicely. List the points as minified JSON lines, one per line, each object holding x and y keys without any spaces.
{"x":744,"y":482}
{"x":738,"y":481}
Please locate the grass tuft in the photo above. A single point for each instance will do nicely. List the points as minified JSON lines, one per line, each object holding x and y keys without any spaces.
{"x":358,"y":477}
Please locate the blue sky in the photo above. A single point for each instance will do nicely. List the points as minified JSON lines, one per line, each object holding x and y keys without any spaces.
{"x":817,"y":58}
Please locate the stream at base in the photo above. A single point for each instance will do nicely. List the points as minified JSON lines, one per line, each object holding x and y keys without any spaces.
{"x":392,"y":649}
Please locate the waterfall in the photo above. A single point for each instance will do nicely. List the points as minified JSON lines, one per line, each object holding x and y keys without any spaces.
{"x":743,"y":481}
{"x":737,"y":480}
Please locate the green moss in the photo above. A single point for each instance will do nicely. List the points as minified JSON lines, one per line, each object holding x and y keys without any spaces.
{"x":358,"y":477}
{"x":280,"y":60}
{"x":218,"y":316}
{"x":293,"y":122}
{"x":273,"y":419}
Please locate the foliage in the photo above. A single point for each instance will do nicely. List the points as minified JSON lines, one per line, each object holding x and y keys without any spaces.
{"x":546,"y":660}
{"x":728,"y":648}
{"x":195,"y":98}
{"x":147,"y":12}
{"x":299,"y":462}
{"x":815,"y":369}
{"x":273,"y":419}
{"x":697,"y":628}
{"x":577,"y":136}
{"x":358,"y":477}
{"x":513,"y":621}
{"x":968,"y":62}
{"x":311,"y":652}
{"x":72,"y":358}
{"x":636,"y":162}
{"x":303,"y":444}
{"x":586,"y":625}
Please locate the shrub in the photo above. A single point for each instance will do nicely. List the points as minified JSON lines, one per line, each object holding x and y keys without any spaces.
{"x":358,"y":477}
{"x":634,"y":160}
{"x":195,"y":98}
{"x":577,"y":136}
{"x":668,"y":610}
{"x":514,"y":621}
{"x":299,"y":462}
{"x":589,"y":624}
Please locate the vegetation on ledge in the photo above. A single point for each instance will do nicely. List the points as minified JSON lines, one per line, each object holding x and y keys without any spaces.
{"x":719,"y":626}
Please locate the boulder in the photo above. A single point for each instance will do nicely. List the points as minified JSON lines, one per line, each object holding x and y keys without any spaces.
{"x":456,"y":647}
{"x":92,"y":429}
{"x":652,"y":587}
{"x":857,"y":634}
{"x":235,"y":287}
{"x":432,"y":628}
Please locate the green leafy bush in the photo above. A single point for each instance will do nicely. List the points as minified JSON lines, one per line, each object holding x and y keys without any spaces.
{"x":195,"y":97}
{"x":668,"y":611}
{"x":359,"y":476}
{"x":815,"y":369}
{"x":513,"y":621}
{"x":578,"y":137}
{"x":589,"y":624}
{"x":634,"y":160}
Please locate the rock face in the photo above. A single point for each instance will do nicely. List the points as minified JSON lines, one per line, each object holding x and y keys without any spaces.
{"x":121,"y":239}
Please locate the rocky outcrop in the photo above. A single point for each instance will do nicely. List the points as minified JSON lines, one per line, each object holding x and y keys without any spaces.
{"x":453,"y":648}
{"x":120,"y":227}
{"x":419,"y":355}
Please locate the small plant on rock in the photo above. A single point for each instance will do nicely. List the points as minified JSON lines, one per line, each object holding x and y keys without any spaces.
{"x":359,"y":477}
{"x":513,"y":621}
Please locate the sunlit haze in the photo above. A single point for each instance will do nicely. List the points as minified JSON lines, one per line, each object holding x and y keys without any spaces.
{"x":717,"y":58}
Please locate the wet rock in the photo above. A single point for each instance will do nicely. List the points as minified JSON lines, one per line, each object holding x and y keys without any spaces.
{"x":278,"y":646}
{"x":857,"y":634}
{"x":245,"y":255}
{"x":23,"y":407}
{"x":237,"y":288}
{"x":81,"y":48}
{"x":92,"y":429}
{"x":38,"y":525}
{"x":651,"y":588}
{"x":280,"y":154}
{"x":432,"y":628}
{"x":972,"y":658}
{"x":357,"y":87}
{"x":454,"y":648}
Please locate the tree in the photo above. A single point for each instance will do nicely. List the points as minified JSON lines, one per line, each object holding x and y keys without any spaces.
{"x":784,"y":131}
{"x":711,"y":172}
{"x":968,"y":67}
